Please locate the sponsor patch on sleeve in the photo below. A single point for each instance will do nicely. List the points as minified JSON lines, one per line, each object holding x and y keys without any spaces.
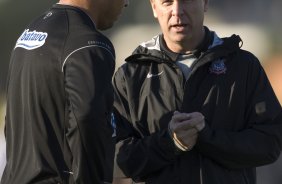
{"x":31,"y":39}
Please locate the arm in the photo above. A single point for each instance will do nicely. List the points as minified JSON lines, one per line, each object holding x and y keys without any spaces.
{"x":88,"y":75}
{"x":260,"y":142}
{"x":139,"y":154}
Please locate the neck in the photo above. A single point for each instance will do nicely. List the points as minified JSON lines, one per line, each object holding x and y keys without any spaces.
{"x":84,"y":5}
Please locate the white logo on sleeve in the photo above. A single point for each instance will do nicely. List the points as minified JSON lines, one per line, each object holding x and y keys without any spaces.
{"x":31,"y":39}
{"x":150,"y":75}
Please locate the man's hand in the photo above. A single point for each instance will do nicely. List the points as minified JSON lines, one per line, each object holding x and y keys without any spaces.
{"x":184,"y":128}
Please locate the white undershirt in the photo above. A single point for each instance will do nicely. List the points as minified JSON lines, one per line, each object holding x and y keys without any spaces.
{"x":184,"y":62}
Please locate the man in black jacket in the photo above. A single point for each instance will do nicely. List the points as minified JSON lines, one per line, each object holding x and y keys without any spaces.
{"x":59,"y":97}
{"x":191,"y":107}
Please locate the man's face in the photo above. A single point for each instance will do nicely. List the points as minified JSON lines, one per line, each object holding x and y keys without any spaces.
{"x":110,"y":12}
{"x":180,"y":20}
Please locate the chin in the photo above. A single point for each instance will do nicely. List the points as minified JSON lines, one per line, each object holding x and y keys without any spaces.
{"x":180,"y":39}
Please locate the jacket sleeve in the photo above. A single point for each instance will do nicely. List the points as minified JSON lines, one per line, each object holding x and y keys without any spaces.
{"x":138,"y":154}
{"x":88,"y":74}
{"x":261,"y":141}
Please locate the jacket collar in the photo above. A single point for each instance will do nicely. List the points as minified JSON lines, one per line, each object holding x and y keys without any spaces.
{"x":214,"y":47}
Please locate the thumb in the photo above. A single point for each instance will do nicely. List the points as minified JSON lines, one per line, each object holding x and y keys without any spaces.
{"x":176,"y":112}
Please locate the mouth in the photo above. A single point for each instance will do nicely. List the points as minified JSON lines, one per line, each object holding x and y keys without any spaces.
{"x":179,"y":27}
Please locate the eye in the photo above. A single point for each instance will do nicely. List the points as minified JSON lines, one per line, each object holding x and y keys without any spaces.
{"x":167,"y":2}
{"x":188,"y":1}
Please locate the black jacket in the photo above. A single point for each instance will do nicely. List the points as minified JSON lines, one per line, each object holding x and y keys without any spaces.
{"x":59,"y":102}
{"x":227,"y":85}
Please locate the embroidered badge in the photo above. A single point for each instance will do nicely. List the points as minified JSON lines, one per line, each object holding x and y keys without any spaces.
{"x":218,"y":67}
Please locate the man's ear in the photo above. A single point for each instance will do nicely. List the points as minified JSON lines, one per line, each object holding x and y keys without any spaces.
{"x":206,"y":5}
{"x":154,"y":8}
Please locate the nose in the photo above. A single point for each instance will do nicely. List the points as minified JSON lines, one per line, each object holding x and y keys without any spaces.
{"x":177,"y":8}
{"x":126,"y":3}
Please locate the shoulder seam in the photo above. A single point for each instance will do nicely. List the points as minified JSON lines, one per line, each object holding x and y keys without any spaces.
{"x":85,"y":48}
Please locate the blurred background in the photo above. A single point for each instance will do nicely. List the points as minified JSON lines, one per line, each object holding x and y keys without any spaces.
{"x":258,"y":22}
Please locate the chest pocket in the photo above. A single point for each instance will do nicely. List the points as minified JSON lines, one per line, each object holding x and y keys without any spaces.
{"x":160,"y":94}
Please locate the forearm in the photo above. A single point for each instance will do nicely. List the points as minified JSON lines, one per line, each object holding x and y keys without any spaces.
{"x":138,"y":158}
{"x":252,"y":147}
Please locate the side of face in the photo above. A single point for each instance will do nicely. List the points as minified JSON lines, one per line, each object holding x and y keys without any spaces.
{"x":109,"y":12}
{"x":180,"y":20}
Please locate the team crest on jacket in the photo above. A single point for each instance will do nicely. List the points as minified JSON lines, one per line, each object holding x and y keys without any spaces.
{"x":31,"y":39}
{"x":218,"y":67}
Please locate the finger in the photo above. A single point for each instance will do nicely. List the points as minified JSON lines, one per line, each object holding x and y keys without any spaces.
{"x":186,"y":133}
{"x":190,"y":132}
{"x":186,"y":140}
{"x":179,"y":117}
{"x":197,"y":116}
{"x":183,"y":126}
{"x":176,"y":112}
{"x":197,"y":120}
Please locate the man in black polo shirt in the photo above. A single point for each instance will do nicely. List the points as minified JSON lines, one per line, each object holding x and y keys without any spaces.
{"x":59,"y":97}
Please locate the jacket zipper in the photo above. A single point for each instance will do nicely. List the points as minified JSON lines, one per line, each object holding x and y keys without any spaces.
{"x":201,"y":170}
